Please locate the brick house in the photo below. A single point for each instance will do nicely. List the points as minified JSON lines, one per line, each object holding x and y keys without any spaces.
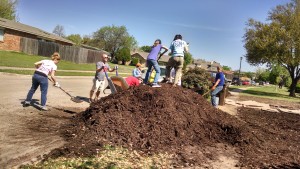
{"x":11,"y":33}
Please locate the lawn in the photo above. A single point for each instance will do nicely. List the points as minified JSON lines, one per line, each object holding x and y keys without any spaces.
{"x":21,"y":60}
{"x":271,"y":92}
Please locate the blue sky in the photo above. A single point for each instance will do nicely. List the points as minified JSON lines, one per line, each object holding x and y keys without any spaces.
{"x":214,"y":28}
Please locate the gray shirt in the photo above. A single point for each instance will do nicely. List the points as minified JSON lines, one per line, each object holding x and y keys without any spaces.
{"x":100,"y":75}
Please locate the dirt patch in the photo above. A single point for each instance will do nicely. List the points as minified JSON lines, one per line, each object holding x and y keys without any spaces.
{"x":181,"y":122}
{"x":272,"y":102}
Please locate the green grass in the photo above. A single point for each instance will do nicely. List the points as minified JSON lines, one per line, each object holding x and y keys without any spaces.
{"x":21,"y":60}
{"x":267,"y":92}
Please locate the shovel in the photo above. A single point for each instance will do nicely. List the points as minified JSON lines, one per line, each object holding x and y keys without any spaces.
{"x":206,"y":93}
{"x":110,"y":83}
{"x":74,"y":99}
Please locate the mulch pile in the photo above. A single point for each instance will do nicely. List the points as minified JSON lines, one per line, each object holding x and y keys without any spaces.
{"x":169,"y":119}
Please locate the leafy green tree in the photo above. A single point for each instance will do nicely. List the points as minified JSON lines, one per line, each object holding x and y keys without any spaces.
{"x":263,"y":75}
{"x":276,"y":41}
{"x":86,"y":40}
{"x":250,"y":75}
{"x":277,"y":74}
{"x":123,"y":55}
{"x":59,"y":30}
{"x":113,"y":38}
{"x":188,"y":59}
{"x":76,"y":38}
{"x":146,"y":48}
{"x":226,"y":68}
{"x":8,"y":9}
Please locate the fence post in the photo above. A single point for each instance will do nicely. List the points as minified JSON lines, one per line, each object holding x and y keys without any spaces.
{"x":222,"y":95}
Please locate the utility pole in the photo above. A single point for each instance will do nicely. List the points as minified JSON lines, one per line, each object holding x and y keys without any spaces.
{"x":240,"y":70}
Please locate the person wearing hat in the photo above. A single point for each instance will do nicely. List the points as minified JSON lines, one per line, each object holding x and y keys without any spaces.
{"x":137,"y":71}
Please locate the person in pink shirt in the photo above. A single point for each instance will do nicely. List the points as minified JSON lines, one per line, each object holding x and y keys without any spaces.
{"x":133,"y":81}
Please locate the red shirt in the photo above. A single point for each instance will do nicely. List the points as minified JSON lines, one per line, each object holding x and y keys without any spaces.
{"x":132,"y":81}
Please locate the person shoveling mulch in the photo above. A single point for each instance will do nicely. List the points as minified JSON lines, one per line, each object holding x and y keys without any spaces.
{"x":167,"y":119}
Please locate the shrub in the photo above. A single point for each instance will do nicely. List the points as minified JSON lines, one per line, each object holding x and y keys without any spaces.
{"x":197,"y":77}
{"x":134,"y":61}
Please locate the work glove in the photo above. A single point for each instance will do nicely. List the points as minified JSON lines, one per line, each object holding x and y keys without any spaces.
{"x":56,"y":84}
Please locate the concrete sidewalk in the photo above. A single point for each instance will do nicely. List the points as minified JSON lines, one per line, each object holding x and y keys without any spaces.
{"x":234,"y":104}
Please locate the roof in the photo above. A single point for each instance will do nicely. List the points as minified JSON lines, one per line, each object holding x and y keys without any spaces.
{"x":164,"y":58}
{"x":8,"y":24}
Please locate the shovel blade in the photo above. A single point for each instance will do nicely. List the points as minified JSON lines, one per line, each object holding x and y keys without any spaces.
{"x":76,"y":100}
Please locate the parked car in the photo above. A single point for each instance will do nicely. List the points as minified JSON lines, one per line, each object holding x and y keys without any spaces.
{"x":236,"y":81}
{"x":245,"y":82}
{"x":162,"y":73}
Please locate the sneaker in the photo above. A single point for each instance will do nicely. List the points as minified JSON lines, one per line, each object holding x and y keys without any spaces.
{"x":156,"y":85}
{"x":26,"y":103}
{"x":44,"y":108}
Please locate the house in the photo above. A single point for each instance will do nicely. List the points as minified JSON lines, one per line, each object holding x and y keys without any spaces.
{"x":142,"y":56}
{"x":11,"y":33}
{"x":210,"y":67}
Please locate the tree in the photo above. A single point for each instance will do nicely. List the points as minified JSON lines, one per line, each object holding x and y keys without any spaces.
{"x":112,"y":38}
{"x":188,"y":59}
{"x":276,"y":42}
{"x":226,"y":68}
{"x":59,"y":31}
{"x":76,"y":38}
{"x":146,"y":48}
{"x":123,"y":55}
{"x":8,"y":9}
{"x":277,"y":74}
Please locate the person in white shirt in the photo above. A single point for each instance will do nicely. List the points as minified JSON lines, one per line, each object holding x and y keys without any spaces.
{"x":178,"y":48}
{"x":40,"y":78}
{"x":172,"y":76}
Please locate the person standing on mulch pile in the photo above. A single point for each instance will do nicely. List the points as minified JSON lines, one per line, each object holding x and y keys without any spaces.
{"x":218,"y":86}
{"x":152,"y":61}
{"x":178,"y":48}
{"x":98,"y":81}
{"x":40,"y":78}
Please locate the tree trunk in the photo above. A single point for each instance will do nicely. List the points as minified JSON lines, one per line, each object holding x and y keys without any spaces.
{"x":293,"y":88}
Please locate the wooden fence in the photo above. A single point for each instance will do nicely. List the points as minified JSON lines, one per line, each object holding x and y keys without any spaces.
{"x":70,"y":53}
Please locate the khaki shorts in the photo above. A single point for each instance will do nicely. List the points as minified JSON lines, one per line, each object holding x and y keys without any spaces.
{"x":98,"y":85}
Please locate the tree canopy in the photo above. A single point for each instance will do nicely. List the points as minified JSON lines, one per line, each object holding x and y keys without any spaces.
{"x":76,"y":38}
{"x":8,"y":9}
{"x":112,"y":38}
{"x":146,"y":48}
{"x":276,"y":42}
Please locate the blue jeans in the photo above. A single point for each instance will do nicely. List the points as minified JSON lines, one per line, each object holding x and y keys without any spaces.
{"x":153,"y":63}
{"x":42,"y":81}
{"x":213,"y":95}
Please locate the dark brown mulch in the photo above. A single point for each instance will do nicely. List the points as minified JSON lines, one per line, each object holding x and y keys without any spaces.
{"x":170,"y":119}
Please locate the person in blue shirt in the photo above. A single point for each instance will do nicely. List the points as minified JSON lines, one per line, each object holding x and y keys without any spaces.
{"x":218,"y":86}
{"x":137,"y":72}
